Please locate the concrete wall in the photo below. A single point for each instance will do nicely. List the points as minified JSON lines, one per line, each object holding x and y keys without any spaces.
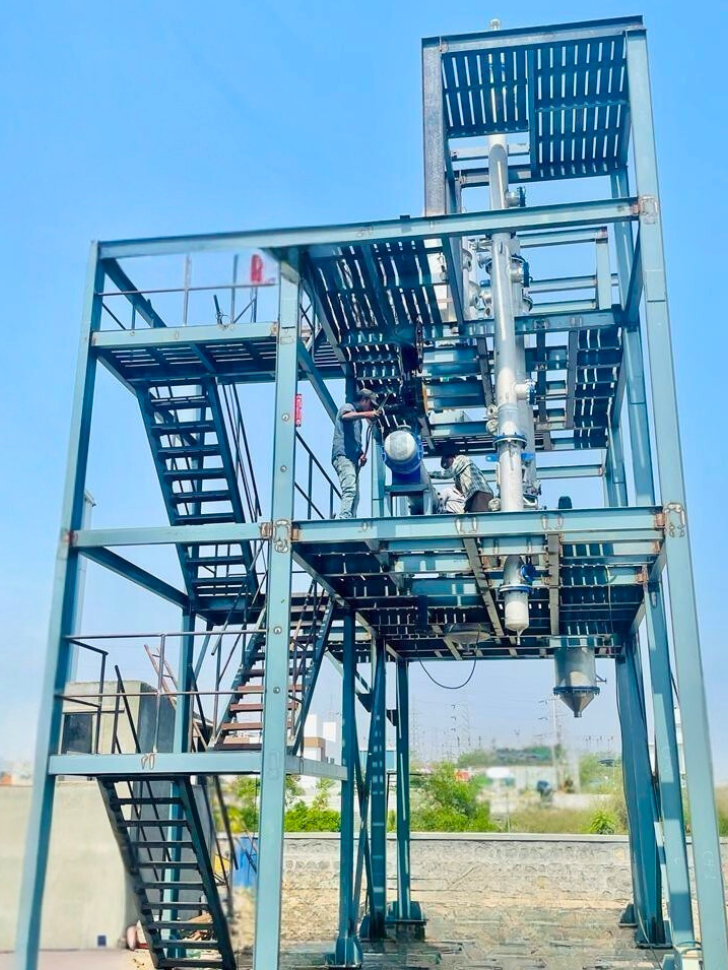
{"x":505,"y":889}
{"x":86,"y":891}
{"x":502,"y":889}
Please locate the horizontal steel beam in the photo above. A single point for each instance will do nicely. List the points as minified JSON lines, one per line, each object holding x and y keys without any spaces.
{"x":185,"y":763}
{"x":143,"y":337}
{"x":553,"y":322}
{"x":433,"y":227}
{"x":171,"y":535}
{"x":608,"y":524}
{"x":530,"y":36}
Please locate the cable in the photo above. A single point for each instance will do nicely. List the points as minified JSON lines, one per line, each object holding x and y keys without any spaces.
{"x":448,"y":686}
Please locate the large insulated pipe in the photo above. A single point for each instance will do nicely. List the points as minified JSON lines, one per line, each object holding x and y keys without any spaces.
{"x":510,"y":438}
{"x":403,"y":455}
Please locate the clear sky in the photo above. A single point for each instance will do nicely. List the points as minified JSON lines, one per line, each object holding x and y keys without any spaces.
{"x":151,"y":118}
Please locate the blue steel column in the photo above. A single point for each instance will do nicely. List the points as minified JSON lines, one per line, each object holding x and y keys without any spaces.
{"x":183,"y":705}
{"x":639,"y":794}
{"x":688,"y":661}
{"x":640,"y":799}
{"x":403,"y":910}
{"x":379,"y":509}
{"x":404,"y":888}
{"x":63,"y":608}
{"x":679,"y":904}
{"x":677,"y":872}
{"x":373,"y":926}
{"x":348,"y":951}
{"x":275,"y":698}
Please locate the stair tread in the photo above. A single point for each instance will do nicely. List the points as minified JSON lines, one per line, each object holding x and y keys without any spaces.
{"x":156,"y":925}
{"x":166,"y":884}
{"x":227,"y":742}
{"x":191,"y":451}
{"x":203,"y":963}
{"x":153,"y":823}
{"x":195,"y":474}
{"x":251,"y":708}
{"x":199,"y":495}
{"x":183,"y":427}
{"x":167,"y":904}
{"x":202,"y":517}
{"x":186,"y":943}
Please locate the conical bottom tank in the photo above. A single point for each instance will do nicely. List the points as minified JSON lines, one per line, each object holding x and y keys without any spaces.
{"x":576,"y":677}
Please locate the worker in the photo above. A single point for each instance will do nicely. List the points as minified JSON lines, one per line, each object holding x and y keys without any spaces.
{"x":451,"y":501}
{"x":347,"y":455}
{"x":469,"y":481}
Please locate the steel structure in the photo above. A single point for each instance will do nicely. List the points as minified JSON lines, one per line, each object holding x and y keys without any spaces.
{"x":398,"y":305}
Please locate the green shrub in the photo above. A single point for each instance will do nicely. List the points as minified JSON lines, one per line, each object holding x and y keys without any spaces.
{"x":603,"y":822}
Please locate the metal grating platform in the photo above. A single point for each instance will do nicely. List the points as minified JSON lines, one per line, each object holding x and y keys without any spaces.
{"x":571,"y":95}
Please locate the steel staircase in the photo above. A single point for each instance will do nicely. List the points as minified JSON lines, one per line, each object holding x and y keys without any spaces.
{"x":190,"y":427}
{"x":181,"y":879}
{"x":242,"y":724}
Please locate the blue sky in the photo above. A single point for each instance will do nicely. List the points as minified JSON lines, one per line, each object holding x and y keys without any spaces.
{"x":151,"y":118}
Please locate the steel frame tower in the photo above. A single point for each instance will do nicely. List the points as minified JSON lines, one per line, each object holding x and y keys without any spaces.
{"x":391,"y":304}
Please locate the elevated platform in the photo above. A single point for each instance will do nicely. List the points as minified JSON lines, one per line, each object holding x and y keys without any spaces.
{"x":428,"y":585}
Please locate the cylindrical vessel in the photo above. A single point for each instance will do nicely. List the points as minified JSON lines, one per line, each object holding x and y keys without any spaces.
{"x":403,"y":451}
{"x":576,"y":677}
{"x":510,"y":438}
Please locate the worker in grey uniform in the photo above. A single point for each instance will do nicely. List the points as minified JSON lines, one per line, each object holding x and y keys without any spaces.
{"x":347,"y":454}
{"x":469,"y":481}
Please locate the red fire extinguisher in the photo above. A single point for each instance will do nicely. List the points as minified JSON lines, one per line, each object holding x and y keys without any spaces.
{"x":256,"y":269}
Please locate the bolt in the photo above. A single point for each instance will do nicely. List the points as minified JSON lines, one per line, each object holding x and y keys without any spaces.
{"x":285,"y":417}
{"x":277,"y":629}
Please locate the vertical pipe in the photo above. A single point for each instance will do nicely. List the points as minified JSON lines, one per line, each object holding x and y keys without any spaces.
{"x":510,"y":435}
{"x":348,"y":949}
{"x":61,"y":619}
{"x":686,"y":634}
{"x":275,"y":697}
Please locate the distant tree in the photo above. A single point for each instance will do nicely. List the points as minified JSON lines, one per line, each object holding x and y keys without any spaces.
{"x":324,"y":787}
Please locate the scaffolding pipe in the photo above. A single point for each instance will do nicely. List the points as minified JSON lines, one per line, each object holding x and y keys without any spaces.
{"x":510,"y":438}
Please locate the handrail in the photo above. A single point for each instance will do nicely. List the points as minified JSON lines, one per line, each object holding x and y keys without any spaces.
{"x":328,"y":480}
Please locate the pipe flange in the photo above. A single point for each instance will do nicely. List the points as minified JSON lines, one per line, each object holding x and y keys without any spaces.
{"x":515,"y":588}
{"x":517,"y":438}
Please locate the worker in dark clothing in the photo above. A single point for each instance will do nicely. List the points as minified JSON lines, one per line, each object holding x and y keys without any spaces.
{"x":347,"y":455}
